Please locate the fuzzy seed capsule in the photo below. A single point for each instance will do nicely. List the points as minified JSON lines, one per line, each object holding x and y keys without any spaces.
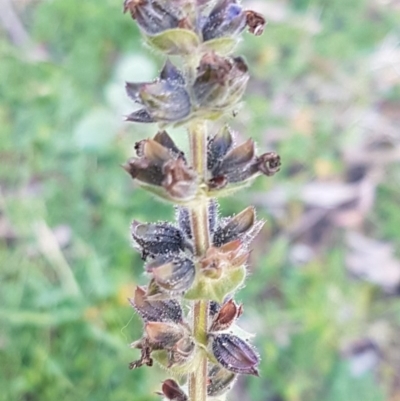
{"x":157,"y":239}
{"x":242,"y":226}
{"x":174,"y":275}
{"x":235,"y":355}
{"x":156,"y":311}
{"x":220,"y":380}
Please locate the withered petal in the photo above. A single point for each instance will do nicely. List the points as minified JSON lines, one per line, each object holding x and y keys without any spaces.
{"x":171,"y":389}
{"x":256,"y":22}
{"x":226,"y":316}
{"x":180,"y":180}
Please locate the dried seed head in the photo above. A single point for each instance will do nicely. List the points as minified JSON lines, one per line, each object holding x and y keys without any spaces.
{"x":145,"y":357}
{"x":161,"y":168}
{"x":156,"y":311}
{"x":236,"y":160}
{"x":157,"y":239}
{"x":235,"y":167}
{"x":164,"y":335}
{"x":171,"y":389}
{"x":180,"y":181}
{"x":235,"y":354}
{"x":220,"y":380}
{"x":242,"y":226}
{"x":165,"y":100}
{"x":152,"y":16}
{"x":220,"y":82}
{"x":226,"y":316}
{"x":182,"y":352}
{"x":175,"y":275}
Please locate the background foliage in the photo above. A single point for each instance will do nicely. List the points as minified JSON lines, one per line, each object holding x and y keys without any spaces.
{"x":322,"y":292}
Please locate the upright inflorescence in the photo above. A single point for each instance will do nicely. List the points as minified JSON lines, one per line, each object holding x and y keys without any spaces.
{"x":196,"y":265}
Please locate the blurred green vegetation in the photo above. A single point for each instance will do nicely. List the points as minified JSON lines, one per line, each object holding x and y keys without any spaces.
{"x":67,"y":265}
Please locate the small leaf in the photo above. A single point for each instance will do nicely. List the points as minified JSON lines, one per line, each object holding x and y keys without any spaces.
{"x":171,"y":390}
{"x":223,"y":46}
{"x":175,"y":42}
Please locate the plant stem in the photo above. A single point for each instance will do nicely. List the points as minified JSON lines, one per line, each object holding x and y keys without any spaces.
{"x":201,"y":238}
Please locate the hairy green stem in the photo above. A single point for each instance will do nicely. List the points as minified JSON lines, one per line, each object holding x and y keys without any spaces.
{"x":201,"y":237}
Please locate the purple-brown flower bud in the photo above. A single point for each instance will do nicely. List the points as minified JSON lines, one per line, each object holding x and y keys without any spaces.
{"x":235,"y":354}
{"x":243,"y":226}
{"x":171,"y":389}
{"x":175,"y":275}
{"x":157,"y":239}
{"x":164,"y":100}
{"x":220,"y":380}
{"x":226,"y":316}
{"x":156,"y":311}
